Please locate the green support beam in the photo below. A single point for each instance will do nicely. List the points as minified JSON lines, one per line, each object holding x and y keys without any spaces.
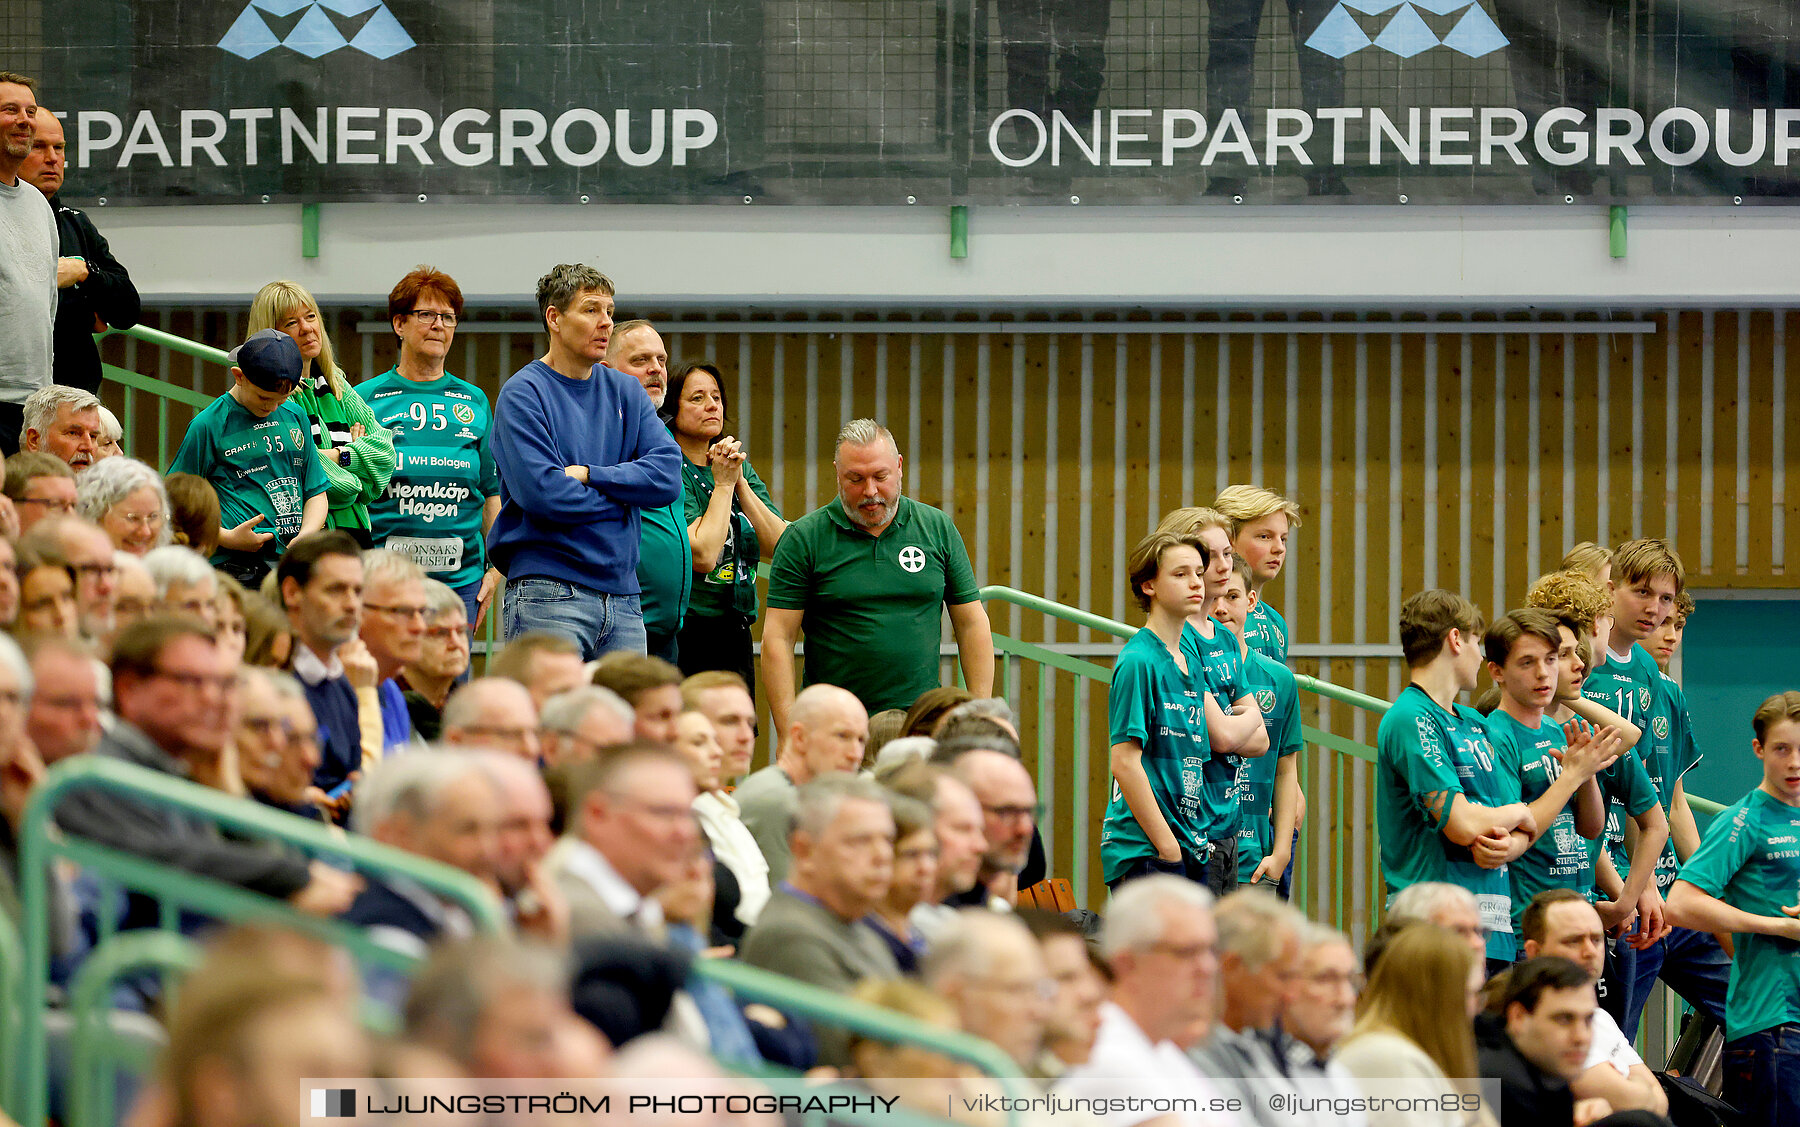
{"x":309,"y":230}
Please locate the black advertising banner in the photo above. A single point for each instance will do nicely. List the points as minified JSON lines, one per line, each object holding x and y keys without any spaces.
{"x":922,"y":101}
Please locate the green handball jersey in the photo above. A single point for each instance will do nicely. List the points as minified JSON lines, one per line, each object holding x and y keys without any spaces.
{"x":263,"y":467}
{"x":1219,"y":662}
{"x":1425,"y":757}
{"x":1750,"y":858}
{"x":1669,"y":752}
{"x":1278,"y":696}
{"x":443,"y":473}
{"x":1625,"y":685}
{"x":1265,"y":631}
{"x":1153,"y":703}
{"x":1560,"y":858}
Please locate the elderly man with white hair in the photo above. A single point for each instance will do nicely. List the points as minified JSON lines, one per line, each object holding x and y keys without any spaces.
{"x":989,"y":966}
{"x":1161,"y":941}
{"x":185,"y":583}
{"x":64,"y":421}
{"x":584,"y":723}
{"x":492,"y":714}
{"x":1447,"y":905}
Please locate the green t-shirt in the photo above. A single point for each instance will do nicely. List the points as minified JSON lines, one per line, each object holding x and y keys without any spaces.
{"x":260,"y":467}
{"x":1669,"y":752}
{"x":1220,"y":663}
{"x":1560,"y":857}
{"x":731,"y":585}
{"x":1265,"y":631}
{"x":1424,"y":757}
{"x":873,"y":606}
{"x":665,"y":569}
{"x":1279,"y":698}
{"x":1750,"y":858}
{"x":1154,"y":703}
{"x":1625,"y":687}
{"x":443,"y":473}
{"x":1628,"y":792}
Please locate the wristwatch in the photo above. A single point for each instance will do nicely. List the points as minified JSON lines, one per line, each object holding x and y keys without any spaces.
{"x":343,"y":456}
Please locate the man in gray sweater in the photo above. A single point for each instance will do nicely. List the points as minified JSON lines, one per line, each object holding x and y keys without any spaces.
{"x":28,"y":252}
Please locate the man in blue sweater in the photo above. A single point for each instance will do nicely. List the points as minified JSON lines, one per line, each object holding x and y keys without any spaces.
{"x":580,"y":453}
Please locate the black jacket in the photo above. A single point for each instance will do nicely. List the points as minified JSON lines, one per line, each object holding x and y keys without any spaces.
{"x":1529,"y":1096}
{"x":107,"y":294}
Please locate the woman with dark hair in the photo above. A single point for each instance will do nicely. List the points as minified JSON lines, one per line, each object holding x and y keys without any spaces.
{"x":732,"y":524}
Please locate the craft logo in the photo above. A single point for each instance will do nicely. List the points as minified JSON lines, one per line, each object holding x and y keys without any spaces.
{"x":316,"y":27}
{"x":334,"y":1103}
{"x":1406,"y":33}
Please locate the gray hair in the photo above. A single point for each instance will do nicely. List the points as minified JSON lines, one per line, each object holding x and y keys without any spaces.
{"x":110,"y":428}
{"x":384,"y":565}
{"x":896,"y":754}
{"x":452,"y":991}
{"x":966,"y":945}
{"x":820,"y":800}
{"x":1134,"y":915}
{"x":565,"y":282}
{"x":284,"y":685}
{"x":989,"y":708}
{"x":441,"y":598}
{"x":1254,"y":922}
{"x":1319,"y":935}
{"x":464,"y":706}
{"x":564,"y":712}
{"x":41,"y":407}
{"x":111,"y":480}
{"x":1417,"y":903}
{"x":175,"y":564}
{"x":410,"y":785}
{"x":13,"y":656}
{"x":864,"y":432}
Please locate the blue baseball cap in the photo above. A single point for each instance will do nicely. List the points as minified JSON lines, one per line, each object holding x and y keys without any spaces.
{"x":269,"y":359}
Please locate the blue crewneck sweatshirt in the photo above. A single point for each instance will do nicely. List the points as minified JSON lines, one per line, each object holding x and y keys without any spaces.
{"x":553,"y":526}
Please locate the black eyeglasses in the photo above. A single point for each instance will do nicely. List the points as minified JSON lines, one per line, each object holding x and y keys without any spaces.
{"x":433,"y":317}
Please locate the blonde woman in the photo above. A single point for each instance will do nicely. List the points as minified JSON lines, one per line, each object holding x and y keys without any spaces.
{"x":1414,"y":1034}
{"x":357,"y":454}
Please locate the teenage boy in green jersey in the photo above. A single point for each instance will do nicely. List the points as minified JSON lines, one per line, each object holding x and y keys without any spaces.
{"x":1669,"y":750}
{"x":256,"y":450}
{"x":1156,"y":709}
{"x":1745,"y":879}
{"x":1444,"y":808}
{"x":1268,"y":785}
{"x":1260,"y":523}
{"x":1525,"y":651}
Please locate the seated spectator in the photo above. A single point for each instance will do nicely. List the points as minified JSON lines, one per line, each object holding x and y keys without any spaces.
{"x":229,"y":611}
{"x":193,"y":512}
{"x":185,"y":583}
{"x":425,"y":684}
{"x":525,"y":840}
{"x":112,"y":436}
{"x":1449,"y":906}
{"x":961,"y":840}
{"x":9,"y":585}
{"x":1009,"y":806}
{"x":169,"y":695}
{"x":1412,"y":1036}
{"x":705,"y":1015}
{"x":320,"y":580}
{"x":134,"y":592}
{"x":64,"y":718}
{"x":545,"y":663}
{"x":650,"y":685}
{"x":914,"y":881}
{"x":826,"y":732}
{"x":356,"y":452}
{"x":988,"y":965}
{"x":492,"y":714}
{"x":629,"y":833}
{"x":895,"y":754}
{"x":811,"y":929}
{"x":46,"y":595}
{"x":1073,"y":1017}
{"x":393,"y":631}
{"x":985,"y":708}
{"x":444,"y":807}
{"x":928,"y":712}
{"x":85,"y":549}
{"x":1160,"y":941}
{"x":584,"y":723}
{"x":20,"y":770}
{"x":63,"y":421}
{"x":276,"y":741}
{"x":884,"y":728}
{"x":974,"y":733}
{"x":499,"y":1008}
{"x":896,"y":1071}
{"x":1259,"y":955}
{"x":268,"y":635}
{"x":724,"y":698}
{"x":126,"y":499}
{"x":1323,"y":1006}
{"x":39,"y":485}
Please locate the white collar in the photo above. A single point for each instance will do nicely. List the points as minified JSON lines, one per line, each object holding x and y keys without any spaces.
{"x":624,"y":901}
{"x":310,"y":669}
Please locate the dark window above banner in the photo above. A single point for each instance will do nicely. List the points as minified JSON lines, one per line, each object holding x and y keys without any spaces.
{"x":1048,"y":102}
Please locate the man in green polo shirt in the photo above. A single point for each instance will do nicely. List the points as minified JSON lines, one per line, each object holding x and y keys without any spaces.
{"x":865,"y":576}
{"x":665,"y":570}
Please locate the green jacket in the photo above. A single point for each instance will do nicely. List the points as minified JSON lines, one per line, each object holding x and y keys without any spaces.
{"x":351,"y":487}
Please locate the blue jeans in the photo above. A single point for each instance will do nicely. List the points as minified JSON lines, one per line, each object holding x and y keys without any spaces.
{"x":1694,"y":966}
{"x":597,"y":622}
{"x":1762,"y":1076}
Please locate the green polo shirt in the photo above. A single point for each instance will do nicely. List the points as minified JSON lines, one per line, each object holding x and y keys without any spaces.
{"x":1750,"y":858}
{"x":1278,"y":696}
{"x":873,"y":605}
{"x":1156,"y":705}
{"x":665,"y":568}
{"x":1560,"y":857}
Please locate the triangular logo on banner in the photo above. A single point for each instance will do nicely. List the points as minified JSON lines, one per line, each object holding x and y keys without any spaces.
{"x":1406,"y":33}
{"x":323,"y":26}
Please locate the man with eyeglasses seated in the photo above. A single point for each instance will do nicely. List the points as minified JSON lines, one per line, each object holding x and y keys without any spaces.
{"x":134,"y":592}
{"x":184,"y":583}
{"x":989,"y":966}
{"x":1447,"y":905}
{"x":170,"y":693}
{"x":425,"y":682}
{"x":85,"y":549}
{"x":277,"y":741}
{"x":256,"y":449}
{"x":393,"y":630}
{"x":39,"y":485}
{"x":1322,"y":1007}
{"x":492,"y":714}
{"x":1009,"y":807}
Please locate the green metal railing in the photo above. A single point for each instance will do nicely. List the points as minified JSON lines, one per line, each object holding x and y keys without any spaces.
{"x":176,"y":892}
{"x":96,"y":1052}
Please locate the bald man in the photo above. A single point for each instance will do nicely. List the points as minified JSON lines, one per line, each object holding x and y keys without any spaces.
{"x":827,"y":729}
{"x":492,"y":714}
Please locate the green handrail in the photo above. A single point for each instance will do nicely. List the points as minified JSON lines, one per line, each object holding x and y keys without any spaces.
{"x":173,"y":343}
{"x":41,"y":843}
{"x":92,"y":1045}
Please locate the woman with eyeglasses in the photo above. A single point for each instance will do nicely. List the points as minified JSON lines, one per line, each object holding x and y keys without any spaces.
{"x":356,"y":453}
{"x":125,"y":498}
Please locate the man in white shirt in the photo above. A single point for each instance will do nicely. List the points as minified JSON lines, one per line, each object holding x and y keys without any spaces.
{"x":1559,"y":921}
{"x":1161,"y":941}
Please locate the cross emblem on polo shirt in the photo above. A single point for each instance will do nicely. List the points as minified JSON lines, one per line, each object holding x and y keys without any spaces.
{"x":912,"y":559}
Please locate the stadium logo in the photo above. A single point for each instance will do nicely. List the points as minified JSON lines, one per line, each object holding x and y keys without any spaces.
{"x":322,"y":26}
{"x":334,"y":1103}
{"x":1406,"y":33}
{"x":912,"y":559}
